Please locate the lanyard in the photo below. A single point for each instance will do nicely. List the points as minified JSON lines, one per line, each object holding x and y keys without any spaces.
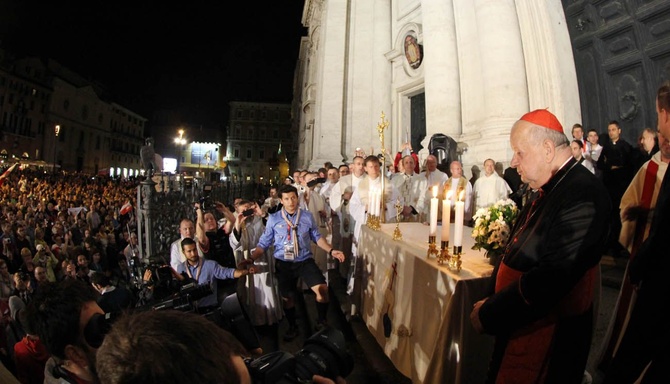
{"x":199,"y":269}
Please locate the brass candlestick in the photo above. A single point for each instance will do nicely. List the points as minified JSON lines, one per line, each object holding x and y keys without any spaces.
{"x":432,"y":248}
{"x":444,"y":256}
{"x":397,"y":235}
{"x":372,"y":222}
{"x":455,"y":260}
{"x":383,"y":124}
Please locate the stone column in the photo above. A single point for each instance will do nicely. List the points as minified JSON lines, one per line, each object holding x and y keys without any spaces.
{"x":441,"y":69}
{"x":331,"y":77}
{"x":494,"y":78}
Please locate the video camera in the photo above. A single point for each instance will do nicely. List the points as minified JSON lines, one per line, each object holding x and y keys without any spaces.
{"x":230,"y":316}
{"x":322,"y":354}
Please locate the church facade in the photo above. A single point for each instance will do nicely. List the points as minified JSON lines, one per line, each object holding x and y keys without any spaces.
{"x":467,"y":69}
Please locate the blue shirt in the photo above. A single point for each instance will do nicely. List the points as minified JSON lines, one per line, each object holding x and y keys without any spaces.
{"x":209,"y":271}
{"x":277,"y":234}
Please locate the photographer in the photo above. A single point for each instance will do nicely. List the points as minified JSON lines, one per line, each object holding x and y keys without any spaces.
{"x":9,"y":252}
{"x":260,"y":290}
{"x":45,"y":258}
{"x":134,"y":344}
{"x":204,"y":272}
{"x":216,"y":242}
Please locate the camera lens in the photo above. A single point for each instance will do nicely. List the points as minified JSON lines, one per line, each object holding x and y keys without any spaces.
{"x":324,"y":354}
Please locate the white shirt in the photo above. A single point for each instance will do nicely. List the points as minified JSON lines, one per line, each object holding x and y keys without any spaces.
{"x":435,"y":178}
{"x":359,"y":200}
{"x":489,"y":189}
{"x":467,"y":214}
{"x":412,"y":190}
{"x":345,"y":182}
{"x":591,"y":156}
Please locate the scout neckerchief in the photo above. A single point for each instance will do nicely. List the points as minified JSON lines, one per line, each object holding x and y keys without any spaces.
{"x":292,"y":229}
{"x":188,"y":269}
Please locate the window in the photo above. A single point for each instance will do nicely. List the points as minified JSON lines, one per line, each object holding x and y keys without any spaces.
{"x":97,"y":143}
{"x":236,"y":153}
{"x":248,"y":153}
{"x":251,"y":114}
{"x":261,"y":154}
{"x":66,"y":104}
{"x":239,"y":114}
{"x":275,"y":134}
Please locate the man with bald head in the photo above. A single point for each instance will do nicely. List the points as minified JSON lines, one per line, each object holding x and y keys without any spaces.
{"x":412,"y":190}
{"x":540,"y":309}
{"x":459,"y":189}
{"x":434,"y":177}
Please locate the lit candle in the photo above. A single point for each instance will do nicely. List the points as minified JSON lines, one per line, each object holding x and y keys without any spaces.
{"x":446,"y":216}
{"x":459,"y":207}
{"x":370,"y":198}
{"x":371,"y":203}
{"x":433,"y":213}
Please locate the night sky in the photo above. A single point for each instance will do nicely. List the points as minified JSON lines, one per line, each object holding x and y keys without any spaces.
{"x":188,"y":57}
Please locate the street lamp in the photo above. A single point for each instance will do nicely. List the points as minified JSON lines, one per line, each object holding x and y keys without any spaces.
{"x":56,"y":131}
{"x":179,"y":141}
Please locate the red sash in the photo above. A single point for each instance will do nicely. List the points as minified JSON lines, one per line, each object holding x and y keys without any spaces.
{"x":626,"y":295}
{"x":526,"y":356}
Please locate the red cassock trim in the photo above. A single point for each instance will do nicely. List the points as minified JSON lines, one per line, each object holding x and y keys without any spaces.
{"x":527,"y":353}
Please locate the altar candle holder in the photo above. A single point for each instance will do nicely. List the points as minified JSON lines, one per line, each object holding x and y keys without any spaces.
{"x":444,"y":256}
{"x":397,"y":235}
{"x":455,"y":260}
{"x":372,"y":222}
{"x":432,"y":248}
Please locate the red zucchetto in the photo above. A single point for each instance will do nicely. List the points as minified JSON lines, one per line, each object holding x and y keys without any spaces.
{"x":543,"y":118}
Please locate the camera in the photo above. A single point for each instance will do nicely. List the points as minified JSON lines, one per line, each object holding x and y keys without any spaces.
{"x":248,"y":212}
{"x":205,"y":201}
{"x":322,"y":354}
{"x":316,"y":181}
{"x":230,"y":316}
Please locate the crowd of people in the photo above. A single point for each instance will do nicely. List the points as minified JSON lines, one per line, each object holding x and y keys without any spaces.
{"x":67,"y":244}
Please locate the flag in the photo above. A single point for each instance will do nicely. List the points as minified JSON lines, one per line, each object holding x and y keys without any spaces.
{"x":6,"y":173}
{"x":127,"y":207}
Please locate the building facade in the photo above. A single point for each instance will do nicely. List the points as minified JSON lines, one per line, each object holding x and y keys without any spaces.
{"x":257,"y":137}
{"x":51,"y":115}
{"x":469,"y":69}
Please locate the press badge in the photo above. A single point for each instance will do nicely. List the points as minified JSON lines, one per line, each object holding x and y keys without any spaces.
{"x":289,"y":251}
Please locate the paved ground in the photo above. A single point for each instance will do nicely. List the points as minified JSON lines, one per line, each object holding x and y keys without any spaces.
{"x":370,"y":363}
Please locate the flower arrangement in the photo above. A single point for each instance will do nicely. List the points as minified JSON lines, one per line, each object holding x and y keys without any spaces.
{"x":492,"y":227}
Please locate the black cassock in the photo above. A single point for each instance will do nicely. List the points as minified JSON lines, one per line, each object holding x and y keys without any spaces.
{"x":544,"y":285}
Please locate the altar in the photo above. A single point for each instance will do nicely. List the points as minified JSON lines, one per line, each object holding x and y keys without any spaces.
{"x":427,"y":310}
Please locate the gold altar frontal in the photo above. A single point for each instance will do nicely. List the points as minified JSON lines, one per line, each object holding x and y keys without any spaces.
{"x":427,"y":313}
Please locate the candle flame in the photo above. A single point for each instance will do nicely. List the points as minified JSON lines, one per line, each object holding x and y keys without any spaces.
{"x":448,"y":194}
{"x":461,"y":196}
{"x":435,"y":191}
